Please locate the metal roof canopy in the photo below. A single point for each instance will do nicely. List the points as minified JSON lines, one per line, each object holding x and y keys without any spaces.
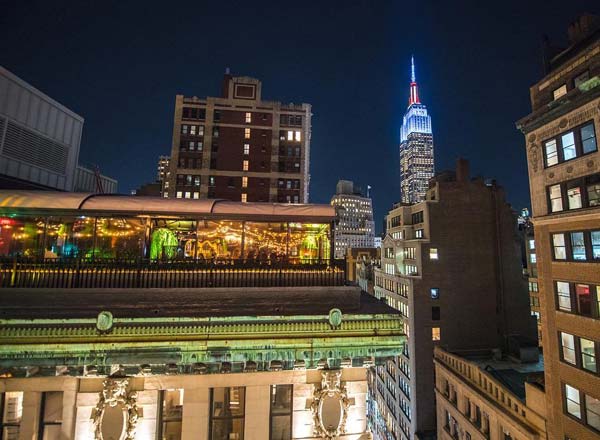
{"x":54,"y":202}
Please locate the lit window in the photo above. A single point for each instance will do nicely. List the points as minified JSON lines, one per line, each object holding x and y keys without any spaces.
{"x":532,"y":258}
{"x":246,"y":149}
{"x":179,"y":194}
{"x":592,"y":412}
{"x":290,"y":135}
{"x":568,"y":146}
{"x":244,"y":182}
{"x":581,"y":78}
{"x":227,"y":413}
{"x":584,"y":301}
{"x":246,"y":133}
{"x":188,"y":195}
{"x":419,"y":233}
{"x":211,"y":180}
{"x":574,"y":197}
{"x":193,"y":130}
{"x":531,"y":244}
{"x":560,"y":92}
{"x":588,"y":355}
{"x":560,"y":249}
{"x":248,"y":117}
{"x":297,"y":136}
{"x":563,"y":291}
{"x":170,"y":406}
{"x":435,"y":334}
{"x":184,"y":129}
{"x":573,"y":401}
{"x":245,"y":165}
{"x":435,"y":293}
{"x":568,"y":347}
{"x":578,"y":246}
{"x":196,"y":195}
{"x":10,"y":418}
{"x":556,"y":203}
{"x":433,"y":253}
{"x":244,"y":197}
{"x":595,"y":239}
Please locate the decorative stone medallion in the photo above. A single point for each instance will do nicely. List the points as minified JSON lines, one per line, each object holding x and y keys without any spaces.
{"x":116,"y":414}
{"x":335,"y":318}
{"x":104,"y":321}
{"x":534,"y":156}
{"x":330,"y":405}
{"x":563,"y":123}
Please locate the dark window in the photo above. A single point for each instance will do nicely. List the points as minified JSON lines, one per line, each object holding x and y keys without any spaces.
{"x":193,"y":113}
{"x":281,"y":412}
{"x":217,"y":116}
{"x":417,"y":217}
{"x":211,"y":180}
{"x":50,"y":415}
{"x":435,"y":313}
{"x":227,"y":412}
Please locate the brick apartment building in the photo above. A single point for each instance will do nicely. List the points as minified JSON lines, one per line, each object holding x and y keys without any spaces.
{"x":564,"y":174}
{"x":239,"y":147}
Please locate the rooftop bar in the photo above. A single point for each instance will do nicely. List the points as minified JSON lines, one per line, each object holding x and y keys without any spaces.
{"x":54,"y":239}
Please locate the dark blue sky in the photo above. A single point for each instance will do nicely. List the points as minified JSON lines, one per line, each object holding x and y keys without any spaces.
{"x":119,"y":65}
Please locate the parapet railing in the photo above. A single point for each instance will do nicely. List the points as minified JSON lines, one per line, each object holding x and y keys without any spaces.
{"x":142,"y":273}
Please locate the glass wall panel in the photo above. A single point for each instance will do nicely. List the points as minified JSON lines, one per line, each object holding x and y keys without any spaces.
{"x":118,"y":237}
{"x":219,"y":239}
{"x":309,"y":241}
{"x":21,"y":236}
{"x":266,"y":241}
{"x":172,"y":239}
{"x":281,"y":412}
{"x":51,"y":415}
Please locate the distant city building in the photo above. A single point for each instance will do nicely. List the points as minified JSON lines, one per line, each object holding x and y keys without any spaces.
{"x":530,"y":267}
{"x":39,"y":138}
{"x":484,"y":395}
{"x":239,"y":147}
{"x":416,"y":147}
{"x":162,"y":171}
{"x":377,"y":242}
{"x":87,"y":180}
{"x":452,"y":266}
{"x":561,"y":136}
{"x":354,"y":218}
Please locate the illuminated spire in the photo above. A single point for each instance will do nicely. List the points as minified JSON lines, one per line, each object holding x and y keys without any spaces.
{"x":414,"y":89}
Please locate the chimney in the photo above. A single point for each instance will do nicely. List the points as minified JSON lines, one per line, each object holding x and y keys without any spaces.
{"x":226,"y":80}
{"x":462,"y":170}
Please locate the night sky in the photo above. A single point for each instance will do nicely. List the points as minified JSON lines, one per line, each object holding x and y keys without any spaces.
{"x":120,"y":64}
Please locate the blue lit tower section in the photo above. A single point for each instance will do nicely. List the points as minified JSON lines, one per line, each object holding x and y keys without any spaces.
{"x":416,"y":147}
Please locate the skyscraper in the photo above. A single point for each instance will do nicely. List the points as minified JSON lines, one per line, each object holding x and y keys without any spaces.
{"x":416,"y":147}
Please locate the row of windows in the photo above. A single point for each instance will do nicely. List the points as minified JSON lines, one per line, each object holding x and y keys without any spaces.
{"x":417,"y":217}
{"x":583,"y":192}
{"x":578,"y":298}
{"x":191,"y":145}
{"x":193,"y":113}
{"x":290,"y":120}
{"x":188,"y":180}
{"x":561,"y":90}
{"x":192,"y":130}
{"x":288,"y":184}
{"x":290,"y":135}
{"x":579,"y":352}
{"x":570,"y":145}
{"x":187,"y":195}
{"x":583,"y":407}
{"x":289,"y":151}
{"x":190,"y":162}
{"x":576,"y":246}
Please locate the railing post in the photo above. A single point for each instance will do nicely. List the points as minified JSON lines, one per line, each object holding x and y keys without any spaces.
{"x":75,"y":280}
{"x":13,"y":275}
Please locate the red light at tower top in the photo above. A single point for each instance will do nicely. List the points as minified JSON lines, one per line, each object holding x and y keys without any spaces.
{"x":414,"y":89}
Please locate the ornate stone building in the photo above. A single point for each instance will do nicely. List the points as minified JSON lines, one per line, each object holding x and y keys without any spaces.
{"x":564,"y":173}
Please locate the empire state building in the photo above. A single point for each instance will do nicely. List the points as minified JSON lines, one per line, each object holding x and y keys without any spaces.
{"x":416,"y":147}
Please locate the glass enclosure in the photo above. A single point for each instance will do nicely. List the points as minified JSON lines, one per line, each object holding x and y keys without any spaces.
{"x":159,"y":238}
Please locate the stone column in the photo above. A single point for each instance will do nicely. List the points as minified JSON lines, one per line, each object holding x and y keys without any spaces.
{"x":31,"y":415}
{"x":257,"y":412}
{"x":196,"y":409}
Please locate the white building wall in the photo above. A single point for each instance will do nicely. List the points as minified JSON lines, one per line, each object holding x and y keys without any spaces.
{"x":39,"y":138}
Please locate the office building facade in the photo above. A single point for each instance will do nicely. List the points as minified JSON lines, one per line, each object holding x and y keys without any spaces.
{"x":416,"y":147}
{"x":561,"y":136}
{"x":452,"y":266}
{"x":239,"y":147}
{"x":355,"y":227}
